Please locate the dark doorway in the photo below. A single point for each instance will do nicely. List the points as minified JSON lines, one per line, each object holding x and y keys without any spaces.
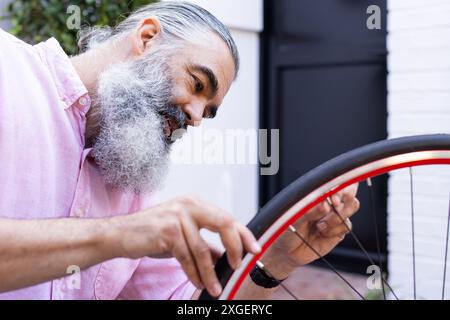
{"x":324,"y":86}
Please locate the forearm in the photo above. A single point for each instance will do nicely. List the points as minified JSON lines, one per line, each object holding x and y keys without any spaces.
{"x":35,"y":251}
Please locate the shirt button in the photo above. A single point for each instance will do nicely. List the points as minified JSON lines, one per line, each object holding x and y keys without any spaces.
{"x":84,"y":101}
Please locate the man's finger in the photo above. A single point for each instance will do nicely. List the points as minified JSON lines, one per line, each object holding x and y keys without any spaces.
{"x":182,"y":253}
{"x":350,"y":191}
{"x":337,"y":231}
{"x":214,"y":219}
{"x":232,"y":242}
{"x":202,"y":256}
{"x":248,"y":239}
{"x":316,"y":213}
{"x":345,"y":210}
{"x":351,"y":207}
{"x":346,"y":193}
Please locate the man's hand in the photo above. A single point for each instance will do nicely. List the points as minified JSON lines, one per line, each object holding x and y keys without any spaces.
{"x":321,"y":227}
{"x":173,"y":229}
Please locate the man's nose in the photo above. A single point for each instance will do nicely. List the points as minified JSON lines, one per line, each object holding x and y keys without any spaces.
{"x":194,"y":114}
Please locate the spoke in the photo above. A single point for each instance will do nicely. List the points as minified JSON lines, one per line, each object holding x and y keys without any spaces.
{"x":359,"y":244}
{"x":412,"y":228}
{"x":325,"y":261}
{"x":261,"y":265}
{"x":375,"y":221}
{"x":446,"y":252}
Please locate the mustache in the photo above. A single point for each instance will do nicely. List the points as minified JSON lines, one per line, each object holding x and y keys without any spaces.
{"x":174,"y":112}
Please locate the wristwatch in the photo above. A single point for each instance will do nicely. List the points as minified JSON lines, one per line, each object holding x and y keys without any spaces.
{"x":262,"y":279}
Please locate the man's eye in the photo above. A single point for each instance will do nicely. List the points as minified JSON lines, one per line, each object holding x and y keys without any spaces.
{"x":198,"y":85}
{"x":211,"y":114}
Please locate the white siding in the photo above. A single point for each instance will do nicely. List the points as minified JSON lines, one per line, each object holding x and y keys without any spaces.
{"x":418,"y":103}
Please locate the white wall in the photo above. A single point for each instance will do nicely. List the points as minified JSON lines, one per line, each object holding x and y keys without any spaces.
{"x":418,"y":103}
{"x":232,"y":187}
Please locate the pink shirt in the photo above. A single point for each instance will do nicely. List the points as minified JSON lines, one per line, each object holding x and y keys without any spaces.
{"x":45,"y":173}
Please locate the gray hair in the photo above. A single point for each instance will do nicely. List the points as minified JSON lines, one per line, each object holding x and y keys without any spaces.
{"x":179,"y":21}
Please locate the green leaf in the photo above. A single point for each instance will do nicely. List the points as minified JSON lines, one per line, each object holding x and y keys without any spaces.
{"x":37,"y":20}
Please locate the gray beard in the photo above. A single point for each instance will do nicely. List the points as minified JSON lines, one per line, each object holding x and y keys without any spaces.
{"x":131,"y":148}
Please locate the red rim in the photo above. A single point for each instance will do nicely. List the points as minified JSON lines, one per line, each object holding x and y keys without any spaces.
{"x":295,"y":217}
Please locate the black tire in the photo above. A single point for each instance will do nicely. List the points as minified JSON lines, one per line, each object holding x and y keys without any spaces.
{"x":301,"y":187}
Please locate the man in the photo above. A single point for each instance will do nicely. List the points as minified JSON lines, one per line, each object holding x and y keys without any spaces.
{"x":85,"y":141}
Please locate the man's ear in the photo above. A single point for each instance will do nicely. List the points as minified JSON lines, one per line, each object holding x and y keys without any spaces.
{"x":146,"y":31}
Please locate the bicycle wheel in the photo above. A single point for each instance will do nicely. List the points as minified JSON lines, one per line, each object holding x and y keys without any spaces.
{"x":362,"y":164}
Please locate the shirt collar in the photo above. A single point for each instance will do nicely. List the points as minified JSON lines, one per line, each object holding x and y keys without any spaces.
{"x":68,"y":84}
